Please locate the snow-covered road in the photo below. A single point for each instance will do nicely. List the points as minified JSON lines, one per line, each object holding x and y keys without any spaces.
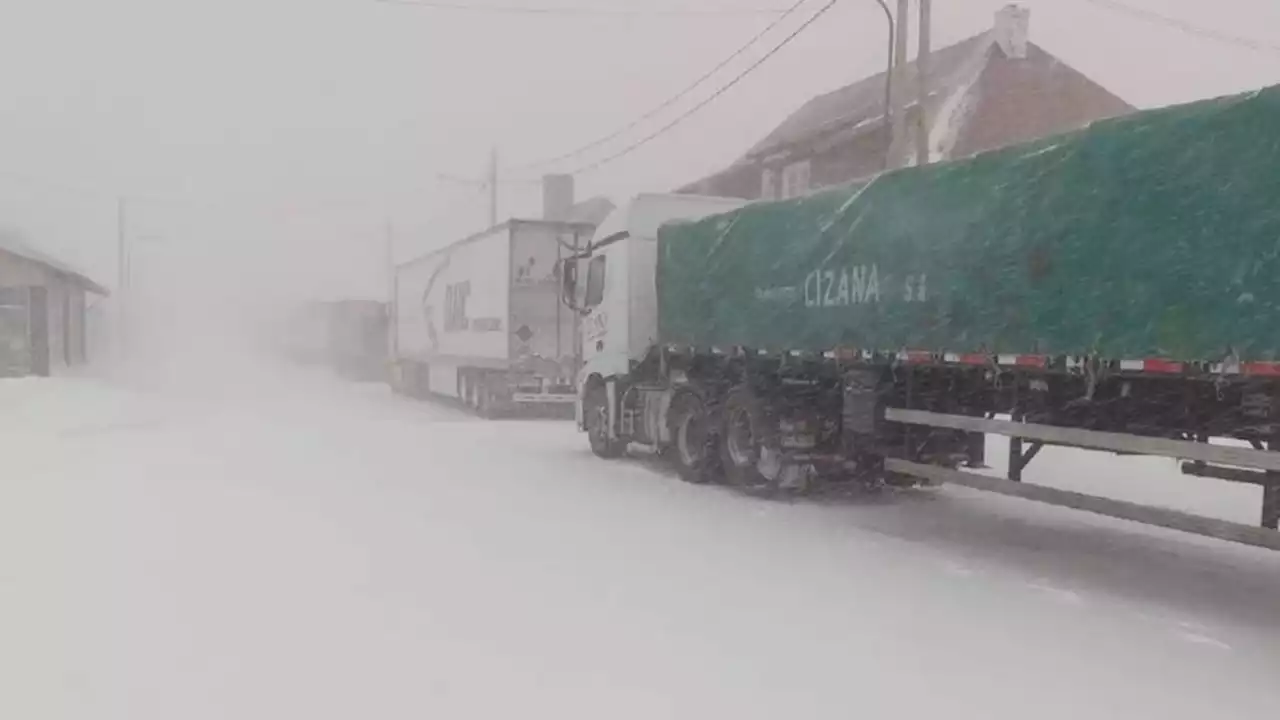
{"x":311,"y":549}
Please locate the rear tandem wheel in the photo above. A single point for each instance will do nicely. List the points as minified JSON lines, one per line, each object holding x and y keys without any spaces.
{"x":694,"y":450}
{"x":752,"y":456}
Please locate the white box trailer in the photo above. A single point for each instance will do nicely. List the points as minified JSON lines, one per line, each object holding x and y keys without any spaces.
{"x":481,"y":320}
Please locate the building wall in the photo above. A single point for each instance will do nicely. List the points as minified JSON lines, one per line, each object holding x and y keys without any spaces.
{"x":15,"y":350}
{"x":833,"y":158}
{"x":65,"y":314}
{"x":840,"y":158}
{"x":57,"y":324}
{"x":739,"y":181}
{"x":77,"y":331}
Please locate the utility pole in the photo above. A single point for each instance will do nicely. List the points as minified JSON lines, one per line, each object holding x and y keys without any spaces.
{"x":489,"y":182}
{"x":899,"y":83}
{"x":393,"y":290}
{"x":922,"y":82}
{"x":493,"y":187}
{"x":389,"y":255}
{"x":121,"y":250}
{"x":122,"y":269}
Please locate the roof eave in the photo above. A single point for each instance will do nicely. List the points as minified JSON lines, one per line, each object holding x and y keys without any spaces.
{"x":91,"y":286}
{"x":75,"y":277}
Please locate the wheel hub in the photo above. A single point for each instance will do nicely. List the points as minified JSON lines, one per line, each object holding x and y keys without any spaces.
{"x":746,"y":451}
{"x":597,"y":421}
{"x":770,"y":463}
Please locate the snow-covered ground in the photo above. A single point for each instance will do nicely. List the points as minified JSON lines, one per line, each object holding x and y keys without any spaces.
{"x":296,"y":547}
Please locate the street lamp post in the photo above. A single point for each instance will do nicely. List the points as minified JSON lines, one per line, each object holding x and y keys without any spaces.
{"x":888,"y":84}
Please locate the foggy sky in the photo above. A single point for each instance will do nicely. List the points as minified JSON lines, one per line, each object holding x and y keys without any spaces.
{"x":267,"y":142}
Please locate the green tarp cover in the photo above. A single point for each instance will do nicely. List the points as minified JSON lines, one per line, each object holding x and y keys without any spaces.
{"x":1152,"y":235}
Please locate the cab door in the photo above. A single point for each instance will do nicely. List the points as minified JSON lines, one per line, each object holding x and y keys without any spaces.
{"x":605,"y":306}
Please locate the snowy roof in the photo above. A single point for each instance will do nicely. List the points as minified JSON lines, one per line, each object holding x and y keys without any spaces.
{"x":12,"y":242}
{"x":593,"y":210}
{"x":862,"y":103}
{"x":983,"y":94}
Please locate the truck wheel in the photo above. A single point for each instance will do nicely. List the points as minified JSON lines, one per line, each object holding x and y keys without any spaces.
{"x":749,"y":444}
{"x":483,"y":400}
{"x":595,"y":413}
{"x":421,"y":381}
{"x":693,"y":441}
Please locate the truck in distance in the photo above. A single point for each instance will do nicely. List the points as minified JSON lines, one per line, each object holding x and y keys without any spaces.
{"x":480,"y":321}
{"x":348,"y":336}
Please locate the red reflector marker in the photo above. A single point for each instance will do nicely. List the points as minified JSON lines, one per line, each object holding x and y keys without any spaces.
{"x":1265,"y":369}
{"x":1161,"y":366}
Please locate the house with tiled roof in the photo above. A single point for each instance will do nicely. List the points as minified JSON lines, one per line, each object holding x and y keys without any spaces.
{"x":994,"y":89}
{"x":43,"y":309}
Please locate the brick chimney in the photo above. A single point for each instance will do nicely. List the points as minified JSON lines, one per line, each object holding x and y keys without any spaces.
{"x":557,"y":197}
{"x":1011,"y":30}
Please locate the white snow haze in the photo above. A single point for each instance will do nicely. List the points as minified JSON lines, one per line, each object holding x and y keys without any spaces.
{"x":192,"y":529}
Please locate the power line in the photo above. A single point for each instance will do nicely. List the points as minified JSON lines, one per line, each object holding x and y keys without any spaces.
{"x":463,"y":206}
{"x":580,"y":9}
{"x":707,"y":101}
{"x":55,"y":186}
{"x":1186,"y":27}
{"x":273,"y":210}
{"x":460,"y":180}
{"x":674,"y":98}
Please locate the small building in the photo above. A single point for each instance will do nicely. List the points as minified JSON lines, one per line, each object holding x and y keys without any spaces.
{"x":991,"y":90}
{"x":43,"y":308}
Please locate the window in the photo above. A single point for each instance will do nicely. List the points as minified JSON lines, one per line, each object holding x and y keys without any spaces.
{"x":769,"y":184}
{"x":795,"y":179}
{"x":595,"y":281}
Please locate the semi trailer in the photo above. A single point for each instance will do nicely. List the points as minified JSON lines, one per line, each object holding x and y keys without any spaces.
{"x":358,"y":339}
{"x":1115,"y":289}
{"x":348,"y":336}
{"x":480,"y":321}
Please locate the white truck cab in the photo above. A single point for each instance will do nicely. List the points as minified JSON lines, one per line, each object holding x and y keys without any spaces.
{"x":613,"y":288}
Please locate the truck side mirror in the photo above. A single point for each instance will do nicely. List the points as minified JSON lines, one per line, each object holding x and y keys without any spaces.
{"x":569,"y":282}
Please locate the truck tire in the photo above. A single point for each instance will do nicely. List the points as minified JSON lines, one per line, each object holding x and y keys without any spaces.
{"x":395,"y":378}
{"x":694,"y":451}
{"x":464,"y":388}
{"x":595,"y":415}
{"x":421,"y":382}
{"x":483,"y":405}
{"x":749,"y":445}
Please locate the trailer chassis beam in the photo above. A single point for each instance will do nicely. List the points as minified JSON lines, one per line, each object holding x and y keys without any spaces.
{"x":1200,"y":453}
{"x":1171,"y":519}
{"x":1094,"y":439}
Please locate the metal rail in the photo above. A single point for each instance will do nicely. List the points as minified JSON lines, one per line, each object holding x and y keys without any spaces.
{"x":1171,"y":519}
{"x":1199,"y":452}
{"x":1093,"y":439}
